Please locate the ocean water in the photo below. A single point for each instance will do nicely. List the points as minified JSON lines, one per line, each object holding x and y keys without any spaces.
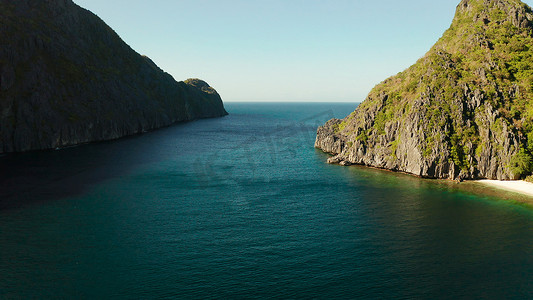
{"x":244,"y":207}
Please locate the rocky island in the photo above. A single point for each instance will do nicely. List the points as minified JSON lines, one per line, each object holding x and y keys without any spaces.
{"x":67,"y":78}
{"x":463,"y":111}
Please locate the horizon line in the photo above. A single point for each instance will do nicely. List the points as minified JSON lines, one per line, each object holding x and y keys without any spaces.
{"x":288,"y":101}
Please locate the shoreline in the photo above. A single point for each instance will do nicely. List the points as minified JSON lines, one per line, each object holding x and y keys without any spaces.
{"x":521,"y":188}
{"x":518,"y":186}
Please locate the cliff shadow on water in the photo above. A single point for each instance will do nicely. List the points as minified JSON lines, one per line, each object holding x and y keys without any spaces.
{"x":52,"y":175}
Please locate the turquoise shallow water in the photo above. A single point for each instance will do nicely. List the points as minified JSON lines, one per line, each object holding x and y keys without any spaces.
{"x":245,"y":207}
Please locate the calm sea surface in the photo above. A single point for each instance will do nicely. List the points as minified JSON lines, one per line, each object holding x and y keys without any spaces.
{"x":245,"y":207}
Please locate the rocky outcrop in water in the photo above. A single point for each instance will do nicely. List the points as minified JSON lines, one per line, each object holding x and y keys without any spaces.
{"x":463,"y":111}
{"x":67,"y":78}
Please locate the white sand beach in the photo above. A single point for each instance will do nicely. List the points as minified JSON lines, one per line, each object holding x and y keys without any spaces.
{"x":519,"y":186}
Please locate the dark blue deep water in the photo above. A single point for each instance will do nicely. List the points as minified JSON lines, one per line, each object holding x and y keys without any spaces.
{"x":245,"y":207}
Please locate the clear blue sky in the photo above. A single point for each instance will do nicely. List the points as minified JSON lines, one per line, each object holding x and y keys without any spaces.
{"x":280,"y":50}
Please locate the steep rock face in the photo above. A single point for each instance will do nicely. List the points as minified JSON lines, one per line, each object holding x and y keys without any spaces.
{"x":463,"y":111}
{"x":67,"y":78}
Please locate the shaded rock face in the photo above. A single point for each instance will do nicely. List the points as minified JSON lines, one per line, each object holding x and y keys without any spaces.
{"x":463,"y":111}
{"x":67,"y":78}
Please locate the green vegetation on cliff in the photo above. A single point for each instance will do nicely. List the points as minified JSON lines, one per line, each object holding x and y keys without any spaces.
{"x":463,"y":111}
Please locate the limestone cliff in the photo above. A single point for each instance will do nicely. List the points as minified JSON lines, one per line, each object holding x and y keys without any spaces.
{"x":67,"y":78}
{"x":463,"y":111}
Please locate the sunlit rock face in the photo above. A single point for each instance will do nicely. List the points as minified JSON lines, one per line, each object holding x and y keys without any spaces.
{"x":463,"y":111}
